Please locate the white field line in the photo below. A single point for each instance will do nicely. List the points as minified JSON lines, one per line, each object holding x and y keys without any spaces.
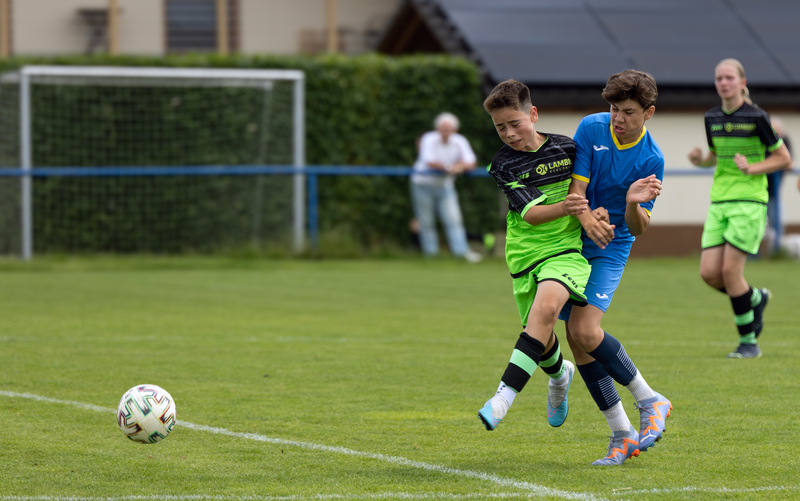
{"x":710,"y":490}
{"x":317,"y":497}
{"x":385,"y":495}
{"x":533,"y":489}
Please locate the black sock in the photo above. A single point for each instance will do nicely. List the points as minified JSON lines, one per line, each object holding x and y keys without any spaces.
{"x":524,"y":360}
{"x":743,"y":317}
{"x":552,"y":362}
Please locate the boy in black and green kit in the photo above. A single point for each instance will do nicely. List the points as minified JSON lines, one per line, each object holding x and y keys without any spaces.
{"x":543,"y":247}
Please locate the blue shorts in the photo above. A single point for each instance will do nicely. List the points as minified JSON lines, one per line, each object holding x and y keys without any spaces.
{"x":607,"y":267}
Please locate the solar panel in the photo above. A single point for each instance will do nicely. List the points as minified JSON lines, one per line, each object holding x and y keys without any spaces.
{"x":583,"y":42}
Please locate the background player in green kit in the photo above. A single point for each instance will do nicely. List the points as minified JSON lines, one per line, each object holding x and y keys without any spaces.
{"x":543,"y":247}
{"x":739,"y":133}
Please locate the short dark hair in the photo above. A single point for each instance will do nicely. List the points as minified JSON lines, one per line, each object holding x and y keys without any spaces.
{"x":508,"y":94}
{"x":631,"y":84}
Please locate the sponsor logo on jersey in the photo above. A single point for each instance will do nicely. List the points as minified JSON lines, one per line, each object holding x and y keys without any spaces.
{"x":515,"y":184}
{"x":600,"y":148}
{"x":734,"y":127}
{"x":556,"y":166}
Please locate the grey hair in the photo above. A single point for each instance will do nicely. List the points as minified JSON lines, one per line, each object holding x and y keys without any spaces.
{"x":446,"y":117}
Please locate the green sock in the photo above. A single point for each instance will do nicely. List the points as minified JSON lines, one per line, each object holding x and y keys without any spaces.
{"x":748,"y":338}
{"x":755,"y":297}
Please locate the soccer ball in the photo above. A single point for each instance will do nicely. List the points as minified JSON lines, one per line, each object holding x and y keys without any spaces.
{"x":146,"y":413}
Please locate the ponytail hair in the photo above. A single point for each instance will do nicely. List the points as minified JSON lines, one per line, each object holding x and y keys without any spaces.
{"x":735,"y":64}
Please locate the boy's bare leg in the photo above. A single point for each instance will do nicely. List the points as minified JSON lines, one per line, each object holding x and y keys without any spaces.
{"x":536,"y":343}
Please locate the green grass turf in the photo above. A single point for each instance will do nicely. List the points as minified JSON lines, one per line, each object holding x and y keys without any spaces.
{"x":389,"y":360}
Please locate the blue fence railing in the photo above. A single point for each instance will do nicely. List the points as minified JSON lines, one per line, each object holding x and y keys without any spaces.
{"x":312,"y":172}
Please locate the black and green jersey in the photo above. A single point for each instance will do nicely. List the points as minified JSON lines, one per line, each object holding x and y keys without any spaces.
{"x":531,"y":178}
{"x":747,"y":131}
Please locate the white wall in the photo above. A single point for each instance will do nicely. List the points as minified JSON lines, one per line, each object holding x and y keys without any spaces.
{"x":274,"y":26}
{"x":142,"y":29}
{"x":51,"y":27}
{"x":685,"y":198}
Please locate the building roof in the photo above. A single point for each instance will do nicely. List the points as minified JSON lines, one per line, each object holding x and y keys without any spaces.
{"x":574,"y":44}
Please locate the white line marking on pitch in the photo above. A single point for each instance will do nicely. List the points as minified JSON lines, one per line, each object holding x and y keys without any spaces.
{"x":201,"y":497}
{"x":712,"y":490}
{"x":533,"y":489}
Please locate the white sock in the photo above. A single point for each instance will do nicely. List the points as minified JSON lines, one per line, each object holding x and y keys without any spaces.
{"x":617,"y":419}
{"x":502,"y":400}
{"x":507,"y":393}
{"x":640,"y":389}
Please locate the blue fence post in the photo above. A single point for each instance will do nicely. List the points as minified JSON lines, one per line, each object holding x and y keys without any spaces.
{"x":313,"y":205}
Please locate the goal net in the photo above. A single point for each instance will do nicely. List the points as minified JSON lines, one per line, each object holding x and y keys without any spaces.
{"x":149,"y":160}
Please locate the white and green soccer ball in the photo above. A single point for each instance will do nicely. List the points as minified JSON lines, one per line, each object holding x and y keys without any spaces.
{"x":146,"y":413}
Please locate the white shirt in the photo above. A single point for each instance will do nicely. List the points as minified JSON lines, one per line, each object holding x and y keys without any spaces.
{"x":433,"y":149}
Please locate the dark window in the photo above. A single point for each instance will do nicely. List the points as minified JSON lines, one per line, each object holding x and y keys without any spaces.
{"x":192,"y":25}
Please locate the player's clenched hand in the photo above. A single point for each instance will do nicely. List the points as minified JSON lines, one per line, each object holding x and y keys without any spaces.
{"x":601,"y":233}
{"x":575,"y":205}
{"x":644,"y":190}
{"x":601,"y":214}
{"x":696,"y":156}
{"x":741,"y":162}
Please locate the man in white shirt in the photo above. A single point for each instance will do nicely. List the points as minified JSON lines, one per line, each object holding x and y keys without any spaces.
{"x":443,"y":154}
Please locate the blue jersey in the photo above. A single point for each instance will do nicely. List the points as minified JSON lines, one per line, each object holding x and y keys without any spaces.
{"x":610,"y":168}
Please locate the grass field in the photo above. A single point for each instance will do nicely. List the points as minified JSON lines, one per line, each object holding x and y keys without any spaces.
{"x":362,"y":379}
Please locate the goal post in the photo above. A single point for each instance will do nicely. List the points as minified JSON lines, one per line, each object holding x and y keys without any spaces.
{"x":133,"y":117}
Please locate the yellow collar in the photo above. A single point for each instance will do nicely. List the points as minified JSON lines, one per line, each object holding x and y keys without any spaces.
{"x":629,"y":145}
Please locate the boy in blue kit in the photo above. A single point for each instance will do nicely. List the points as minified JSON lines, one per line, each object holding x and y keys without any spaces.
{"x":618,"y":166}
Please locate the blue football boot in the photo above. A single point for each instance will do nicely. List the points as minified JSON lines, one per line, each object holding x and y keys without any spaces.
{"x":653,"y":413}
{"x":557,"y":406}
{"x":623,"y":445}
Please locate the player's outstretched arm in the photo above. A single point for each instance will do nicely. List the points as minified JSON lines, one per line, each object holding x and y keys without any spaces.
{"x":641,"y":191}
{"x":697,"y":158}
{"x":540,"y":214}
{"x":599,"y":230}
{"x":779,"y":159}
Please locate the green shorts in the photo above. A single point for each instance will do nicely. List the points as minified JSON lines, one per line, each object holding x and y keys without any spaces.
{"x":570,"y":270}
{"x":740,"y":224}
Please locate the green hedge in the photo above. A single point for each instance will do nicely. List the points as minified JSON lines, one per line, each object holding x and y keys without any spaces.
{"x":365,"y":110}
